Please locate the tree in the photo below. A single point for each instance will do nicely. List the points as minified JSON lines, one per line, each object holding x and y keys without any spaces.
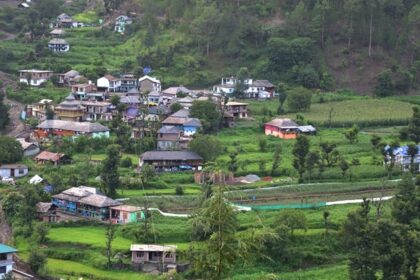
{"x":360,"y":244}
{"x":352,"y":133}
{"x":292,"y":219}
{"x":389,"y":246}
{"x":329,"y":153}
{"x":207,"y":146}
{"x":123,"y":132}
{"x":412,"y":151}
{"x":233,"y":162}
{"x":300,"y":151}
{"x":4,"y":112}
{"x":262,"y":144}
{"x":406,"y":204}
{"x":36,"y":260}
{"x":205,"y":25}
{"x":109,"y":174}
{"x":175,"y":107}
{"x":41,"y":231}
{"x":299,"y":99}
{"x":10,"y":150}
{"x":384,"y":85}
{"x":326,"y":215}
{"x":276,"y":159}
{"x":240,"y":86}
{"x":109,"y":237}
{"x":344,"y":166}
{"x":208,"y":114}
{"x":282,"y":98}
{"x":146,"y":174}
{"x":49,"y":113}
{"x":261,"y":166}
{"x":414,"y":126}
{"x":218,"y":224}
{"x":312,"y":160}
{"x":375,"y":140}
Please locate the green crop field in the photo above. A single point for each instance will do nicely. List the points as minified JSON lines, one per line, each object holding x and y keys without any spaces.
{"x":358,"y":111}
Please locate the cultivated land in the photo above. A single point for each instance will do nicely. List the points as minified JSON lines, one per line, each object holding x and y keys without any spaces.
{"x":77,"y":250}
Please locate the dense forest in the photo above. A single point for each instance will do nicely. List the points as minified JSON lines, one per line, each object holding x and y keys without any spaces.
{"x":366,"y":45}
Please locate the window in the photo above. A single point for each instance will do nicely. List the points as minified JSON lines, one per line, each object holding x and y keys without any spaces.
{"x":168,"y":256}
{"x":2,"y":269}
{"x":140,"y":255}
{"x":3,"y":257}
{"x":21,"y":171}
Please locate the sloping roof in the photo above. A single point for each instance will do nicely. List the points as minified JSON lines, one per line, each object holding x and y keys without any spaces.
{"x":193,"y":122}
{"x":86,"y":127}
{"x":154,"y":80}
{"x":43,"y":207}
{"x":58,"y":41}
{"x":185,"y":100}
{"x":306,"y":128}
{"x":170,"y":155}
{"x":262,"y":83}
{"x":130,"y":100}
{"x":13,"y":166}
{"x":233,"y":103}
{"x":183,"y":113}
{"x":57,"y":31}
{"x":154,"y":93}
{"x":403,"y":150}
{"x":25,"y":145}
{"x":127,"y":208}
{"x":169,"y":129}
{"x":174,"y":121}
{"x":133,"y":91}
{"x":110,"y":77}
{"x":283,"y":123}
{"x":70,"y":103}
{"x":87,"y":195}
{"x":35,"y":71}
{"x":46,"y":155}
{"x":35,"y":180}
{"x":71,"y":73}
{"x":153,"y":248}
{"x":4,"y":249}
{"x":175,"y":90}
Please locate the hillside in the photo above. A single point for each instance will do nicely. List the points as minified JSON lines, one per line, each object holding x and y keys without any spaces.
{"x":318,"y":44}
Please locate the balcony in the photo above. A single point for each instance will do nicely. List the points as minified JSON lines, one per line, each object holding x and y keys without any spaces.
{"x":6,"y":262}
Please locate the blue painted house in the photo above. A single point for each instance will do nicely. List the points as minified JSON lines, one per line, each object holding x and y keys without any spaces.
{"x":6,"y":259}
{"x":85,"y":202}
{"x":191,"y":126}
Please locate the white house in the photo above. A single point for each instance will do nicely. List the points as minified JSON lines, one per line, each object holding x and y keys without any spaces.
{"x":6,"y":259}
{"x":108,"y":83}
{"x":149,"y":84}
{"x":58,"y":45}
{"x":121,"y":22}
{"x":13,"y":170}
{"x":253,"y":88}
{"x":34,"y":77}
{"x":403,"y":159}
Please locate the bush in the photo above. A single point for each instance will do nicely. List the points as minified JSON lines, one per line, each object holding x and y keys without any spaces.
{"x":37,"y":260}
{"x":179,"y":190}
{"x":126,"y":162}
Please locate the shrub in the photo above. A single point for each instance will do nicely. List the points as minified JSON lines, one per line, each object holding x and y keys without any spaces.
{"x":126,"y":162}
{"x":179,"y":190}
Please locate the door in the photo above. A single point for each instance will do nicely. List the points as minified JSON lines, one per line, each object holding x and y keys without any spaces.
{"x":12,"y":172}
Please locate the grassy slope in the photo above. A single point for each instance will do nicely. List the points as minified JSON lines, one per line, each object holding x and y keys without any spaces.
{"x":176,"y":231}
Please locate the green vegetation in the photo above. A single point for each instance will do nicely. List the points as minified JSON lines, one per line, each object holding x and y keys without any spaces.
{"x":365,"y":112}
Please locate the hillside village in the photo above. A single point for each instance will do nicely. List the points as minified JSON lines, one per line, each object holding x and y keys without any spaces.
{"x":125,"y":156}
